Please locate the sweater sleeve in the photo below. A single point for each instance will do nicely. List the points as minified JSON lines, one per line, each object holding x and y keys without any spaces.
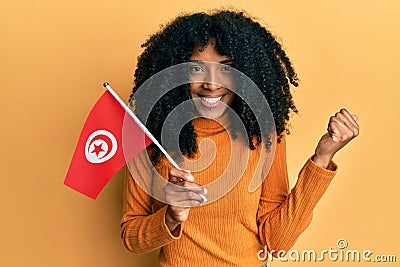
{"x":143,"y":229}
{"x":282,"y":215}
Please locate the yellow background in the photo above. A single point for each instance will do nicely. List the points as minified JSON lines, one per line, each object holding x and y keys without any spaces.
{"x":56,"y":54}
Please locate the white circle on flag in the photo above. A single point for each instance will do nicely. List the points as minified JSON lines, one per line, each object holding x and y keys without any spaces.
{"x":100,"y":146}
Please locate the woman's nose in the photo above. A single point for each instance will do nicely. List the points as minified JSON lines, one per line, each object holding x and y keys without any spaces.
{"x":212,"y":81}
{"x":211,"y":86}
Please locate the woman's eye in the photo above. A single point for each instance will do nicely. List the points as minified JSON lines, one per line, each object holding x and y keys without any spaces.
{"x":196,"y":69}
{"x":226,"y":69}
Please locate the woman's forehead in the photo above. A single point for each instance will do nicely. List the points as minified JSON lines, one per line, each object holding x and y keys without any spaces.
{"x":208,"y":53}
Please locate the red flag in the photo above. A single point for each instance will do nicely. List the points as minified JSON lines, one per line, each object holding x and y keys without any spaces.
{"x":100,"y":152}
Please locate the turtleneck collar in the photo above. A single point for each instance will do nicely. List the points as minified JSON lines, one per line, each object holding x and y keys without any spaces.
{"x":206,"y":127}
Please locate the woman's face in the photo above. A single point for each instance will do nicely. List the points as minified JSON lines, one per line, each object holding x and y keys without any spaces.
{"x":210,"y":81}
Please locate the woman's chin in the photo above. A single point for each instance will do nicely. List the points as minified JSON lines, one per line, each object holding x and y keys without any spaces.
{"x":211,"y":113}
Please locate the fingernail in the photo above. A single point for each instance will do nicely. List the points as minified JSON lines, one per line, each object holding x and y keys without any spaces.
{"x":203,"y":197}
{"x":205,"y":191}
{"x":190,"y":178}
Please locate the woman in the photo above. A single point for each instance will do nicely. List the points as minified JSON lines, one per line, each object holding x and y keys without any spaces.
{"x":231,"y":229}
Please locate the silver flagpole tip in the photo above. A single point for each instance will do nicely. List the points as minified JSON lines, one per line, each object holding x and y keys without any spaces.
{"x":106,"y":84}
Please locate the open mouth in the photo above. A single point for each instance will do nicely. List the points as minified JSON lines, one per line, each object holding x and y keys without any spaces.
{"x":211,"y":102}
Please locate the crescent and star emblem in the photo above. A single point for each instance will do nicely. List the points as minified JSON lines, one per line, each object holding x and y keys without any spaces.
{"x":100,"y":146}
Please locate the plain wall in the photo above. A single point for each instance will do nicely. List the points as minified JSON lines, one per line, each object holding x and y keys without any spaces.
{"x":55,"y":55}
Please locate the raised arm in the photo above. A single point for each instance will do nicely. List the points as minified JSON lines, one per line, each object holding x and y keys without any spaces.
{"x":283,"y":215}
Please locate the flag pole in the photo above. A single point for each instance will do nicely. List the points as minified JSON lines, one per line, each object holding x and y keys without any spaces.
{"x":140,"y":124}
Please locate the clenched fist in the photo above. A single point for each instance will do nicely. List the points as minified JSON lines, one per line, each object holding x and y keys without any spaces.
{"x":342,"y":128}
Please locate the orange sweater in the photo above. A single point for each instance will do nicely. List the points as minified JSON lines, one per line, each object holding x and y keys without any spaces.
{"x":231,"y":230}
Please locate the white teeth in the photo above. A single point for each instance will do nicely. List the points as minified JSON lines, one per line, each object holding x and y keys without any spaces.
{"x":211,"y":100}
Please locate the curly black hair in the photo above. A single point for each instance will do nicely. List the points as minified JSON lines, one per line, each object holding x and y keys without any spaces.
{"x":255,"y":52}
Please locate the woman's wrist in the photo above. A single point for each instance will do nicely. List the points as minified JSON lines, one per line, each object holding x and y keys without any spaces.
{"x":170,"y":222}
{"x":322,"y":160}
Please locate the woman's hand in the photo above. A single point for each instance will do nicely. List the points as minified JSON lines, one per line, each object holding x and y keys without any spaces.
{"x":342,"y":128}
{"x":182,"y":194}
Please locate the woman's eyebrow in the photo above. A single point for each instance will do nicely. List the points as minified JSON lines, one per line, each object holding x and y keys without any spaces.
{"x":196,"y":61}
{"x":229,"y":60}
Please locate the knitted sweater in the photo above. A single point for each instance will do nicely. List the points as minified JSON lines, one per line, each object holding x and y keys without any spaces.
{"x":231,"y":230}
